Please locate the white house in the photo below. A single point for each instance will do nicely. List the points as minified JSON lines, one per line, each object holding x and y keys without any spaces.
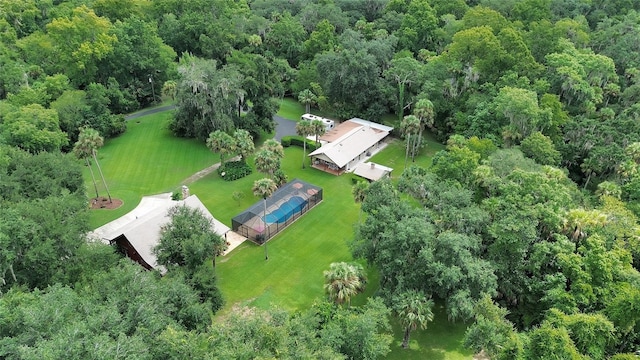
{"x":348,"y":144}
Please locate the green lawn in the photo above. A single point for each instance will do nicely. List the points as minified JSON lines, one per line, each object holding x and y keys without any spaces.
{"x":394,"y":154}
{"x":147,"y":159}
{"x":441,"y":340}
{"x":293,"y":110}
{"x":292,"y":277}
{"x":290,"y":109}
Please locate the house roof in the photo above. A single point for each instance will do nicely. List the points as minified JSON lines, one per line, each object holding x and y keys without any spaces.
{"x":371,"y":124}
{"x":350,"y":145}
{"x":338,"y":131}
{"x":142,"y":225}
{"x":372,"y":171}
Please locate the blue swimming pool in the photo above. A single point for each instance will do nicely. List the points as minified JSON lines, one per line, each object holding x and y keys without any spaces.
{"x":286,"y":210}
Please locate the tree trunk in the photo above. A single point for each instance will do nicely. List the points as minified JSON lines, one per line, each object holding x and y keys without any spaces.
{"x":405,"y":340}
{"x":304,"y":149}
{"x":417,"y":147}
{"x":400,"y":101}
{"x":95,"y":158}
{"x":406,"y":155}
{"x":307,"y":106}
{"x":266,"y":231}
{"x":93,"y":177}
{"x":588,"y":179}
{"x":13,"y":274}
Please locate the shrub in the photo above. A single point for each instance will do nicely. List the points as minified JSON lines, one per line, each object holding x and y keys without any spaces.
{"x":118,"y":125}
{"x":280,"y":177}
{"x":234,"y":170}
{"x":357,"y":178}
{"x":298,"y":141}
{"x":285,"y":141}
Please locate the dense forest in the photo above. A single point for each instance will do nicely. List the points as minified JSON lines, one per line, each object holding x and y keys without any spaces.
{"x":525,"y":226}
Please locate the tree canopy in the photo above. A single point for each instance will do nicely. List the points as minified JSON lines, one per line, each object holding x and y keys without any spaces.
{"x":525,"y":225}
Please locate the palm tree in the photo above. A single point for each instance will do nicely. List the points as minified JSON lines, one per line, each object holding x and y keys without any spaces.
{"x":275,"y":147}
{"x":303,"y":128}
{"x":169,"y":89}
{"x":410,"y":125}
{"x":220,"y":141}
{"x":425,"y":113}
{"x":268,"y":157}
{"x":307,"y":97}
{"x":267,"y":162}
{"x":359,"y":191}
{"x":264,"y":188}
{"x":244,"y":143}
{"x":89,"y":141}
{"x":319,"y":129}
{"x":343,"y":281}
{"x":413,"y":310}
{"x":82,"y":151}
{"x":578,"y":221}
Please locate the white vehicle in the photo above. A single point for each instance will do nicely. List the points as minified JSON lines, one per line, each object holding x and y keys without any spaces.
{"x":329,"y":124}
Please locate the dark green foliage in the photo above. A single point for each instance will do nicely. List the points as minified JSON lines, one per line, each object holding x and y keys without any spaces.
{"x":204,"y":281}
{"x":139,"y":61}
{"x":188,"y":240}
{"x":298,"y":141}
{"x":425,"y":250}
{"x":492,"y":332}
{"x":549,"y":342}
{"x":207,"y":97}
{"x":122,"y":306}
{"x":285,"y":141}
{"x":537,"y":75}
{"x":38,"y":176}
{"x":234,"y":170}
{"x":323,"y":332}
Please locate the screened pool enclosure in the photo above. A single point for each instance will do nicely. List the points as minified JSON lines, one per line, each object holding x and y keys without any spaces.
{"x":284,"y":207}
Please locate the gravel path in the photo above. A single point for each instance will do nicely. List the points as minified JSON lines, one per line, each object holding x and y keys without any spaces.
{"x":204,"y":172}
{"x":149,"y":112}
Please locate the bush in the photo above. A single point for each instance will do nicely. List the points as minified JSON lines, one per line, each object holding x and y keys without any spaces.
{"x":298,"y":141}
{"x":285,"y":141}
{"x":357,"y":178}
{"x":234,"y":170}
{"x":118,"y":125}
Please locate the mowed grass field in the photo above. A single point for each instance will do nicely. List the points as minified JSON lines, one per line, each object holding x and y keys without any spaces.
{"x":298,"y":255}
{"x":147,"y":160}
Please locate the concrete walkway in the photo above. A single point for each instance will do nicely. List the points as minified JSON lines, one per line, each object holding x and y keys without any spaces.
{"x":234,"y":240}
{"x":204,"y":172}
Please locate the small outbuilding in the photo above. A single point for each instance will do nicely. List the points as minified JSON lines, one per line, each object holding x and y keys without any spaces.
{"x":284,"y":206}
{"x":372,"y":171}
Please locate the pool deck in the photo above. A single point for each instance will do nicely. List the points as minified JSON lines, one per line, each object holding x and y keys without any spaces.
{"x":234,"y":239}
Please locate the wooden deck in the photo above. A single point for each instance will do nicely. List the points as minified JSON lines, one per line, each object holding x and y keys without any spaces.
{"x":326,"y":168}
